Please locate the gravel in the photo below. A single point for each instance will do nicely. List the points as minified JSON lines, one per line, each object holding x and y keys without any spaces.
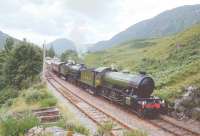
{"x":54,"y":131}
{"x":88,"y":123}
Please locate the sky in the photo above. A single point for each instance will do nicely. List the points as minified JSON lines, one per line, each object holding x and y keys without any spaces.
{"x":82,"y":21}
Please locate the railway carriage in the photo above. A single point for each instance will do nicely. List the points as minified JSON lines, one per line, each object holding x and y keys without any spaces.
{"x":56,"y":65}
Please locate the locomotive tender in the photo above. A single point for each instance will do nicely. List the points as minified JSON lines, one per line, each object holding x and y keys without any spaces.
{"x":133,"y":91}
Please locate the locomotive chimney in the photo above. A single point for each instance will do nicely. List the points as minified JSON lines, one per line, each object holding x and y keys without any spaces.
{"x":142,"y":72}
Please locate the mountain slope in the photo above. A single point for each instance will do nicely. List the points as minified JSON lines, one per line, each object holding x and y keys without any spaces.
{"x":61,"y":45}
{"x":166,"y":23}
{"x":3,"y":38}
{"x":173,"y":61}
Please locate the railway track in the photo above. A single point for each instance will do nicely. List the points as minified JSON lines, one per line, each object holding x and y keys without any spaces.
{"x":47,"y":115}
{"x":172,"y":128}
{"x":94,"y":113}
{"x":99,"y":116}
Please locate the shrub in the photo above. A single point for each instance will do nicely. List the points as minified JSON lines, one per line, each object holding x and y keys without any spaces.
{"x":33,"y":95}
{"x":105,"y":128}
{"x":70,"y":126}
{"x":15,"y":125}
{"x":77,"y":128}
{"x":9,"y":126}
{"x":7,"y":93}
{"x":8,"y":103}
{"x":27,"y":121}
{"x":39,"y":94}
{"x":48,"y":102}
{"x":82,"y":130}
{"x":38,"y":86}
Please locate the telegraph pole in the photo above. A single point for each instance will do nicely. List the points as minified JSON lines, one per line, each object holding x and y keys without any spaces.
{"x":43,"y":68}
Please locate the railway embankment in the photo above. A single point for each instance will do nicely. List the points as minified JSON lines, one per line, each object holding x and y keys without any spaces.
{"x":188,"y":106}
{"x":29,"y":110}
{"x":163,"y":126}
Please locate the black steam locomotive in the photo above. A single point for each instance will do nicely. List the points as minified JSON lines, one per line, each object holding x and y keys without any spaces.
{"x":133,"y":91}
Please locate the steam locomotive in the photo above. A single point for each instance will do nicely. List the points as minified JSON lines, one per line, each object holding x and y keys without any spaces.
{"x":132,"y":91}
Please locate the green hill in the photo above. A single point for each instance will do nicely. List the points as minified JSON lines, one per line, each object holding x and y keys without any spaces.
{"x":173,"y":61}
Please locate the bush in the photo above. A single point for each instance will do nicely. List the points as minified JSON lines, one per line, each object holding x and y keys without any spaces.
{"x":7,"y":93}
{"x":70,"y":126}
{"x":48,"y":102}
{"x":82,"y":130}
{"x":8,"y":103}
{"x":105,"y":128}
{"x":38,"y":94}
{"x":27,"y":121}
{"x":15,"y":125}
{"x":77,"y":128}
{"x":38,"y":86}
{"x":9,"y":126}
{"x":33,"y":95}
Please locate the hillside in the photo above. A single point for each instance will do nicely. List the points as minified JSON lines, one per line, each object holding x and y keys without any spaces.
{"x":164,"y":24}
{"x":173,"y":61}
{"x":61,"y":45}
{"x":3,"y":38}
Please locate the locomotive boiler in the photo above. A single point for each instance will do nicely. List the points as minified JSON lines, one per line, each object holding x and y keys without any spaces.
{"x":141,"y":84}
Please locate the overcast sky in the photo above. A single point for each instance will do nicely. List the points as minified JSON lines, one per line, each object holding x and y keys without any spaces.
{"x":83,"y":21}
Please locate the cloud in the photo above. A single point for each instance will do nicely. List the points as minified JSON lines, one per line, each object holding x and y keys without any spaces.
{"x":94,"y":9}
{"x":83,"y":21}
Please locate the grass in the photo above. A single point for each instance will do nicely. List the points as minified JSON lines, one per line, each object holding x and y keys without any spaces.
{"x":105,"y":129}
{"x":48,"y":102}
{"x":134,"y":133}
{"x":35,"y":97}
{"x":71,"y":122}
{"x":12,"y":125}
{"x":6,"y":95}
{"x":32,"y":98}
{"x":172,"y":61}
{"x":22,"y":101}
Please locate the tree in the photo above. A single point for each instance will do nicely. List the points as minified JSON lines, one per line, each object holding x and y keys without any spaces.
{"x":51,"y":53}
{"x":23,"y":64}
{"x":8,"y":45}
{"x":5,"y":52}
{"x":69,"y":54}
{"x":3,"y":57}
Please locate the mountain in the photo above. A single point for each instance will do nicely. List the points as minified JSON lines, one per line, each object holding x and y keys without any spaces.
{"x":3,"y":38}
{"x":173,"y":61}
{"x":60,"y":45}
{"x":166,"y":23}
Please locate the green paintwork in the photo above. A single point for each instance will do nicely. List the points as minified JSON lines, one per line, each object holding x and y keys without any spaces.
{"x":119,"y":79}
{"x":87,"y":77}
